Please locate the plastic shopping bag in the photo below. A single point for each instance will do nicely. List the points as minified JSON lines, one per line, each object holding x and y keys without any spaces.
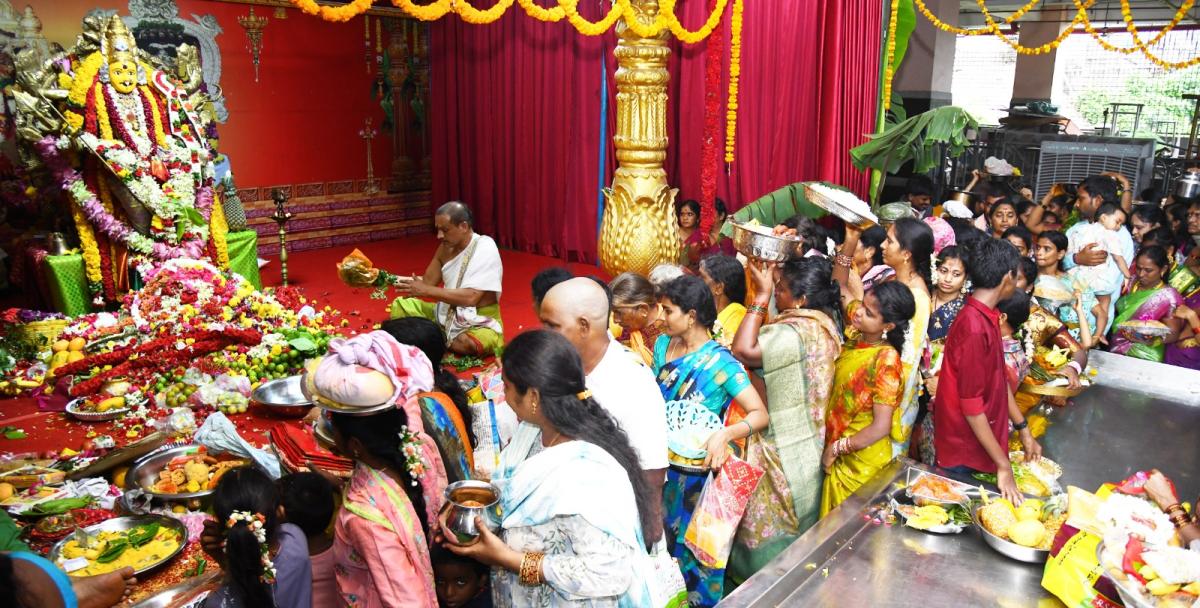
{"x":722,"y":502}
{"x":666,"y":584}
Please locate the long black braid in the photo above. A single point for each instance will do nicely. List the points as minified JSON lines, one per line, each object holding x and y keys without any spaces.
{"x":380,"y":436}
{"x":546,"y":361}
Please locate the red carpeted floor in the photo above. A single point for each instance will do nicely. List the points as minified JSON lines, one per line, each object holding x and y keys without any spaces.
{"x":314,"y":272}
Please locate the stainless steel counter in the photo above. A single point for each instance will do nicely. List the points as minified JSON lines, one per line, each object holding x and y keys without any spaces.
{"x":1139,"y":416}
{"x":848,"y":560}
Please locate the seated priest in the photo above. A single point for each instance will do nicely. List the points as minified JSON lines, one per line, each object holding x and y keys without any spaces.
{"x":463,"y":282}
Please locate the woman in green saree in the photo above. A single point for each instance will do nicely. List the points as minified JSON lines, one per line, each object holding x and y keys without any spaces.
{"x":1151,"y":300}
{"x":796,"y":352}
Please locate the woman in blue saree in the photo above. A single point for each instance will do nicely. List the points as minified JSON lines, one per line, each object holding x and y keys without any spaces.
{"x":691,"y":366}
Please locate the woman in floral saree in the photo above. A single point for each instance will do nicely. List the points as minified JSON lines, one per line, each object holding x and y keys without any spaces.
{"x":1150,"y":300}
{"x":574,"y":503}
{"x":867,"y":389}
{"x":796,"y":353}
{"x":690,"y":365}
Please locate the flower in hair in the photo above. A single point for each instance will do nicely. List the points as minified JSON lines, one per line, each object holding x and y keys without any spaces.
{"x":257,"y":522}
{"x":410,"y":447}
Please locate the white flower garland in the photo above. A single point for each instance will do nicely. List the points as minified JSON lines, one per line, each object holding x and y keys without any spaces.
{"x":257,"y":524}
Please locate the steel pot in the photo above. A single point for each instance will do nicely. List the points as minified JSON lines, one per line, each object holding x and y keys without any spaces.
{"x":466,"y":500}
{"x":1188,"y":185}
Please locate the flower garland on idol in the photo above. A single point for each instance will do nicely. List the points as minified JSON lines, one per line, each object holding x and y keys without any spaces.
{"x":72,"y":182}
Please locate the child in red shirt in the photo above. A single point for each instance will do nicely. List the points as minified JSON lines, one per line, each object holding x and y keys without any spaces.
{"x":971,"y":409}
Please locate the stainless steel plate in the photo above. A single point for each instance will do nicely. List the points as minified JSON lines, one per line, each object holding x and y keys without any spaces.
{"x":122,"y":524}
{"x":145,"y":472}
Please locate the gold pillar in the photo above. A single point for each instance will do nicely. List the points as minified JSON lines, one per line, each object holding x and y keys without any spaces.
{"x":639,"y":229}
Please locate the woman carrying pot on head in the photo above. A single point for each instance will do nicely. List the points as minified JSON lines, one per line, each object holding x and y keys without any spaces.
{"x":369,"y":383}
{"x":576,"y":508}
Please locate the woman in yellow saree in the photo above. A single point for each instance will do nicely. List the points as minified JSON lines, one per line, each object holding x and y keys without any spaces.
{"x":867,"y":389}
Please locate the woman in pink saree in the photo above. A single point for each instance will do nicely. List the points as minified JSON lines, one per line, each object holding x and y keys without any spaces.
{"x":381,"y":548}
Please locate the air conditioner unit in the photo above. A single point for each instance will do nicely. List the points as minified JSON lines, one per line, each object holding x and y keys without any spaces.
{"x":1072,"y":161}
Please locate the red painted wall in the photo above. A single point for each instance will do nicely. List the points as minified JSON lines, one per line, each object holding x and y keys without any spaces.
{"x":299,"y":123}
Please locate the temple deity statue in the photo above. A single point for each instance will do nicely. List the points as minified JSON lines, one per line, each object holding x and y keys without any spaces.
{"x":126,"y":146}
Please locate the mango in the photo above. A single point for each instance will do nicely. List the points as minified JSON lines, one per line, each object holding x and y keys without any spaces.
{"x":6,"y":491}
{"x":60,"y":346}
{"x":77,"y":344}
{"x":59,"y":359}
{"x":74,"y":356}
{"x":1192,"y":588}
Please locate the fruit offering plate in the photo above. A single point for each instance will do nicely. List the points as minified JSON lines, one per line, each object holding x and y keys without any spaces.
{"x":97,"y":408}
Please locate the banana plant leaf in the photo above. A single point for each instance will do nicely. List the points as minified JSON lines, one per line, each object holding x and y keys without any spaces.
{"x":772,"y":209}
{"x":915,"y":139}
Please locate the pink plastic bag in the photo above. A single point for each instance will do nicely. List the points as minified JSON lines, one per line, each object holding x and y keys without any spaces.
{"x":719,"y":511}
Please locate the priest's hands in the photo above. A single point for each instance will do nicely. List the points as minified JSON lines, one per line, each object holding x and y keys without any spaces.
{"x":412,"y":286}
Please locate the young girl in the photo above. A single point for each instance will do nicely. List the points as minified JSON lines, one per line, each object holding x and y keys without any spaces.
{"x":950,"y":289}
{"x":1055,"y":289}
{"x":1102,"y":280}
{"x":867,"y":389}
{"x":1021,"y":238}
{"x":1014,"y":311}
{"x":266,"y":563}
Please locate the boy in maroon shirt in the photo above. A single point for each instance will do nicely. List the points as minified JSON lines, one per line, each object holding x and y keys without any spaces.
{"x":971,"y":411}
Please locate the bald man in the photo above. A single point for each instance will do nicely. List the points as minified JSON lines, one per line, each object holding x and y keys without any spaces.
{"x":460,"y":289}
{"x":619,"y":379}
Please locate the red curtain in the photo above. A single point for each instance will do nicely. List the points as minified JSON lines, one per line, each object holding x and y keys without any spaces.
{"x":515,"y":128}
{"x":807,"y":94}
{"x":515,"y":114}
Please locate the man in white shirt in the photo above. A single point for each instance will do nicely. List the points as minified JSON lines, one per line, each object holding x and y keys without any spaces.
{"x":463,"y":281}
{"x":1091,"y":193}
{"x":620,"y":382}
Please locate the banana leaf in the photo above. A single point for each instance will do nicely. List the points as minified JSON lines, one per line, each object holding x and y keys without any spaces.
{"x":915,"y":140}
{"x":772,"y":209}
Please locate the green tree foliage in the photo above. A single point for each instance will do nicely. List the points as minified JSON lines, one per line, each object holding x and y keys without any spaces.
{"x":1160,"y":94}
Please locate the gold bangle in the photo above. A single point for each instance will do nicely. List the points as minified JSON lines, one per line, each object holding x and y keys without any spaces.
{"x":531,"y":569}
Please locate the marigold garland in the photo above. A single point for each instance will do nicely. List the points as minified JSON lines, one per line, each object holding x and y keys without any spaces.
{"x":693,"y":37}
{"x":429,"y":12}
{"x":334,"y":13}
{"x":217,"y":229}
{"x":1081,"y":18}
{"x":1017,"y":46}
{"x":103,"y":124}
{"x":735,"y":72}
{"x":475,"y":16}
{"x":1127,"y":14}
{"x":585,"y":27}
{"x":666,"y":19}
{"x":889,"y":64}
{"x":550,"y":15}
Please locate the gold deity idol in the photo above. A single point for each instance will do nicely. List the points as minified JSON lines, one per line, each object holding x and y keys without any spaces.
{"x":122,"y":68}
{"x":639,"y":230}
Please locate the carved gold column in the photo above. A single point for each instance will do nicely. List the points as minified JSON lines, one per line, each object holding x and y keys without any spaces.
{"x":639,"y":231}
